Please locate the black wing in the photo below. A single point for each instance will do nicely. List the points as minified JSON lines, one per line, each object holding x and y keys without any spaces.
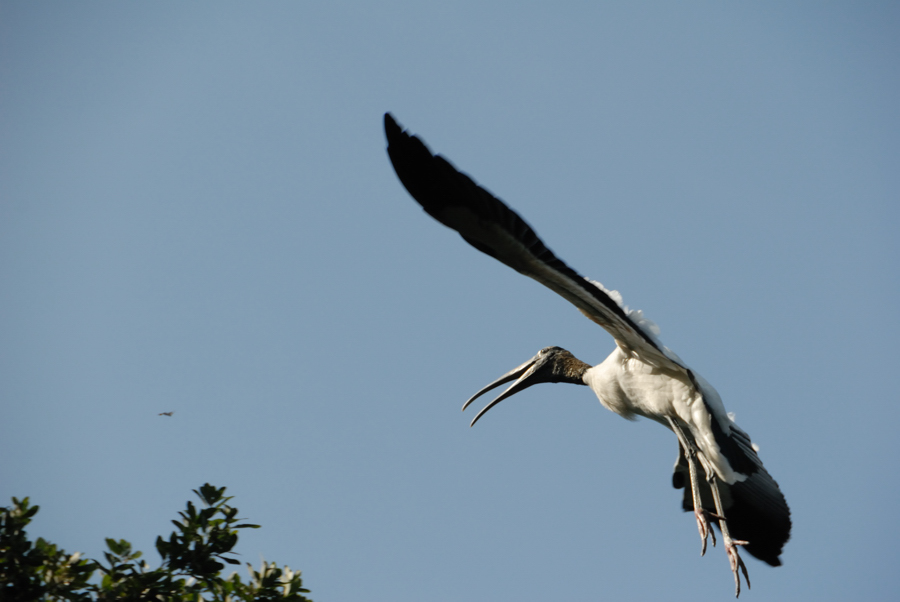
{"x":485,"y":222}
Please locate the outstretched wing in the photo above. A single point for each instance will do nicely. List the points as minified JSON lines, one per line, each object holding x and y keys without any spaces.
{"x":485,"y":222}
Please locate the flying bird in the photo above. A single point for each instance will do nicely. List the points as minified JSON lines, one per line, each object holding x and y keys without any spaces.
{"x":724,"y":481}
{"x":166,"y":413}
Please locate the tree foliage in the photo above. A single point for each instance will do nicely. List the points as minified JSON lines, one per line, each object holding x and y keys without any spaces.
{"x":192,"y":558}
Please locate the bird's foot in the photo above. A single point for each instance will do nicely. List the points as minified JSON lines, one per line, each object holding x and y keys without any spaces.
{"x":704,"y":527}
{"x":734,"y":558}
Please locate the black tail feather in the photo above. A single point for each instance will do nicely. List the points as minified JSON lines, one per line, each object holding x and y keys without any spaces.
{"x":755,"y":509}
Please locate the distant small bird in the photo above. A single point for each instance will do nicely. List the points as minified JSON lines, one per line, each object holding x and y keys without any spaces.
{"x":723,"y":478}
{"x":166,"y":413}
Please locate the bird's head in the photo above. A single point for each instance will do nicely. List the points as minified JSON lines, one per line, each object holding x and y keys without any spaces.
{"x":550,"y":365}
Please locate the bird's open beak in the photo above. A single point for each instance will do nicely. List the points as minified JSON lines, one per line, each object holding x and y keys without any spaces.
{"x":538,"y":369}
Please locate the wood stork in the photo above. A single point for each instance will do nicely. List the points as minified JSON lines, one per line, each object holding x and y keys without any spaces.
{"x":641,"y":377}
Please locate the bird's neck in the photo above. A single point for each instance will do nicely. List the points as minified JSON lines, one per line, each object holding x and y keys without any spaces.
{"x":571,"y":370}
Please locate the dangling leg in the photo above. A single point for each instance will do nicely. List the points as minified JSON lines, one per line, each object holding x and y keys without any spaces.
{"x":730,"y":544}
{"x":690,"y":454}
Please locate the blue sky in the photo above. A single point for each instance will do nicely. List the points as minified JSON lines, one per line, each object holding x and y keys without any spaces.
{"x":197,"y":215}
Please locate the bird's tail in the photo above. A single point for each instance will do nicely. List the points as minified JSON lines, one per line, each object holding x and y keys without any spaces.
{"x":755,"y":510}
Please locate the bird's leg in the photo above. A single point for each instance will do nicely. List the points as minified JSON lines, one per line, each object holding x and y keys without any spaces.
{"x":690,"y":454}
{"x":702,"y":521}
{"x":734,"y":558}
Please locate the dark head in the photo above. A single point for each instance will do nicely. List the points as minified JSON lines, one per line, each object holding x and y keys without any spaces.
{"x":550,"y":365}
